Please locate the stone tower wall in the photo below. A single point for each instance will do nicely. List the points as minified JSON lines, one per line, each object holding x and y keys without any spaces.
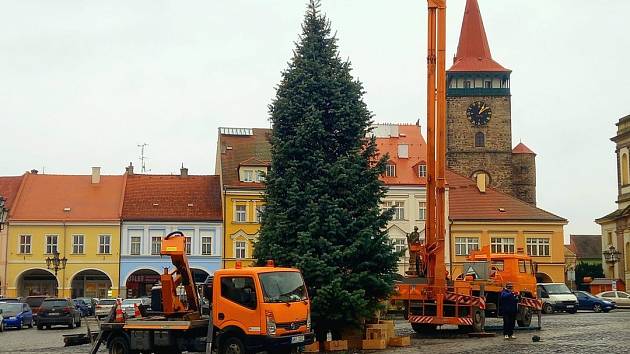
{"x":524,"y":177}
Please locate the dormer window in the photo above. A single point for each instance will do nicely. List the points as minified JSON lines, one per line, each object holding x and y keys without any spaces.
{"x":248,"y":176}
{"x":390,"y":170}
{"x":260,"y":176}
{"x":422,"y":170}
{"x":252,"y":174}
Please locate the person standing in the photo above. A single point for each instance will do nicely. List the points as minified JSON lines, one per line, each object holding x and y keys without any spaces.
{"x":509,"y":309}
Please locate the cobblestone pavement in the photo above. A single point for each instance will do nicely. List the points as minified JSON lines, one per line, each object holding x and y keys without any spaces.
{"x":584,"y":332}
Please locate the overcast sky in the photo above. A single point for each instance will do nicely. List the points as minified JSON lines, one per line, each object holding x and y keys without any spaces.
{"x":82,"y":83}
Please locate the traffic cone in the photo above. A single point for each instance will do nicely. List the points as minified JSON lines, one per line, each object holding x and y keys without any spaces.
{"x":136,"y":311}
{"x":119,"y":312}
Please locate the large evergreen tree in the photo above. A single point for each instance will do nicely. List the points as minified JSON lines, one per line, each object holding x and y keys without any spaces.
{"x":323,"y":190}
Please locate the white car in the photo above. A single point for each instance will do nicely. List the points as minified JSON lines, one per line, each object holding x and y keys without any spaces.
{"x":620,"y":298}
{"x":104,"y":306}
{"x":557,"y":297}
{"x":128,"y":305}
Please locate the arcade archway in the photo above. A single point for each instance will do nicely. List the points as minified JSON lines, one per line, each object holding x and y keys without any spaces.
{"x":37,"y":282}
{"x":91,"y":283}
{"x":140,"y":282}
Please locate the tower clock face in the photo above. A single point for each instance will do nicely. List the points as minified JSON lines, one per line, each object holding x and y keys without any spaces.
{"x":479,"y":113}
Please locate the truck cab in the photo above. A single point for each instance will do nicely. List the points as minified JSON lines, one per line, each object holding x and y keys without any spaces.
{"x":260,"y":308}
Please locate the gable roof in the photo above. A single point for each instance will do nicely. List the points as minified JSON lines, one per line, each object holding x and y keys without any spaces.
{"x":473,"y":51}
{"x":247,"y":149}
{"x":172,"y":198}
{"x":522,"y":149}
{"x":586,"y":246}
{"x":9,"y":187}
{"x":44,"y":198}
{"x":466,"y":202}
{"x":406,"y":168}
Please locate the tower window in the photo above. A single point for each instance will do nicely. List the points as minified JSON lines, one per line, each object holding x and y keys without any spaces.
{"x":487,"y":84}
{"x":480,"y":140}
{"x":466,"y":84}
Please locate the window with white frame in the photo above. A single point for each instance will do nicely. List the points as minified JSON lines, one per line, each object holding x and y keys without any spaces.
{"x":260,"y":176}
{"x":241,"y":213}
{"x":188,"y":236}
{"x":259,"y":211}
{"x":78,"y":244}
{"x":538,"y":246}
{"x":135,"y":245}
{"x":390,"y":170}
{"x":465,"y":245}
{"x":156,"y":240}
{"x":422,"y":170}
{"x":51,"y":244}
{"x":104,"y":244}
{"x":502,"y":244}
{"x":400,"y":244}
{"x":248,"y":176}
{"x":239,"y":249}
{"x":399,"y":209}
{"x":206,"y":245}
{"x":422,"y":210}
{"x":25,"y":244}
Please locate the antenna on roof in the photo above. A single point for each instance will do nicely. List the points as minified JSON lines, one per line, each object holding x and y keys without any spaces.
{"x":143,"y":165}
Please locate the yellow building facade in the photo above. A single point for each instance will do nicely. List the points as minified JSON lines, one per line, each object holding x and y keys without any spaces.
{"x":92,"y":253}
{"x":513,"y":237}
{"x":243,"y":159}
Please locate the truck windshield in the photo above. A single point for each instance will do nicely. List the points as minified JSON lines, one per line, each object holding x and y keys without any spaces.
{"x":283,"y":286}
{"x":557,"y":289}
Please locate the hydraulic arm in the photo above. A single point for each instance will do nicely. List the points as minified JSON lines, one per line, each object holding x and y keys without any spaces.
{"x":174,"y":245}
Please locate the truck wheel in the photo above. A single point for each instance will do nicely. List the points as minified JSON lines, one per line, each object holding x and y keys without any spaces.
{"x":525,"y":317}
{"x":547,"y":308}
{"x":119,"y":345}
{"x":232,"y":345}
{"x":478,"y":322}
{"x":423,"y":328}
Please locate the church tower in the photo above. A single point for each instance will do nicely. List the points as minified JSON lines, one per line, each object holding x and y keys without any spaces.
{"x":479,"y":131}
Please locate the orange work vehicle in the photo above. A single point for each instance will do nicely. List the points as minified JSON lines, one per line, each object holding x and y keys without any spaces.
{"x":430,"y":298}
{"x":518,"y":269}
{"x":251,"y":309}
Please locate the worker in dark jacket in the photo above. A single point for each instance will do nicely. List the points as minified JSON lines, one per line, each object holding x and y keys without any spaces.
{"x":509,"y":309}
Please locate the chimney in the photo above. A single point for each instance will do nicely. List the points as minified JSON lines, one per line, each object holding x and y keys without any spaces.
{"x":96,"y":175}
{"x":34,"y":171}
{"x":183,"y":171}
{"x":481,"y":182}
{"x":129,"y":169}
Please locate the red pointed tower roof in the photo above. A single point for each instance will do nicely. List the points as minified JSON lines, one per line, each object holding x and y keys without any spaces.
{"x":522,"y":149}
{"x":473,"y":51}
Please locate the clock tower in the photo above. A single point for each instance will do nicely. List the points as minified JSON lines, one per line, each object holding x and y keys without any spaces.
{"x":479,"y":119}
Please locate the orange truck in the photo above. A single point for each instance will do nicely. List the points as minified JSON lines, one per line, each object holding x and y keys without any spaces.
{"x":251,"y":309}
{"x":516,"y":268}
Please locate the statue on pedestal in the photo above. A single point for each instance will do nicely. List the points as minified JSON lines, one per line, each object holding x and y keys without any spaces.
{"x":413,"y":239}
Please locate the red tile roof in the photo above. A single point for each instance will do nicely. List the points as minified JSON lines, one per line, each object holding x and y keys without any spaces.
{"x":586,"y":246}
{"x":473,"y":51}
{"x":243,"y":150}
{"x":467,"y":203}
{"x":522,"y":149}
{"x":9,"y":187}
{"x":172,"y":198}
{"x":44,"y":198}
{"x":406,"y":168}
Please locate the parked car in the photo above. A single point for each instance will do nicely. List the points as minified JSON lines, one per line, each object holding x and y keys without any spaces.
{"x":556,"y":297}
{"x":90,"y":302}
{"x":128,"y":305}
{"x":55,"y":311}
{"x":104,"y":306}
{"x":35,"y":302}
{"x":82,"y":307}
{"x":10,"y":299}
{"x":620,"y":298}
{"x":588,"y":301}
{"x":16,"y":314}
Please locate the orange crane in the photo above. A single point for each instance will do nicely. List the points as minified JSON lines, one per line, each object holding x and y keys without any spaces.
{"x":430,"y":298}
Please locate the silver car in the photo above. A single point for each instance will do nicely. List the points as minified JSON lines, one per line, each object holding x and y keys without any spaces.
{"x":104,"y":306}
{"x":128,"y":305}
{"x":621,"y":298}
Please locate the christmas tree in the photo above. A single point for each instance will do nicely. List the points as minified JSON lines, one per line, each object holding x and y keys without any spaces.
{"x":323,"y":192}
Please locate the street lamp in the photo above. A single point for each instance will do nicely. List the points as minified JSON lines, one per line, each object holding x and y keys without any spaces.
{"x":3,"y":212}
{"x":611,"y":255}
{"x":55,"y":263}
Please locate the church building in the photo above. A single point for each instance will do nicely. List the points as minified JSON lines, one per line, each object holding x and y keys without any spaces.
{"x":479,"y":118}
